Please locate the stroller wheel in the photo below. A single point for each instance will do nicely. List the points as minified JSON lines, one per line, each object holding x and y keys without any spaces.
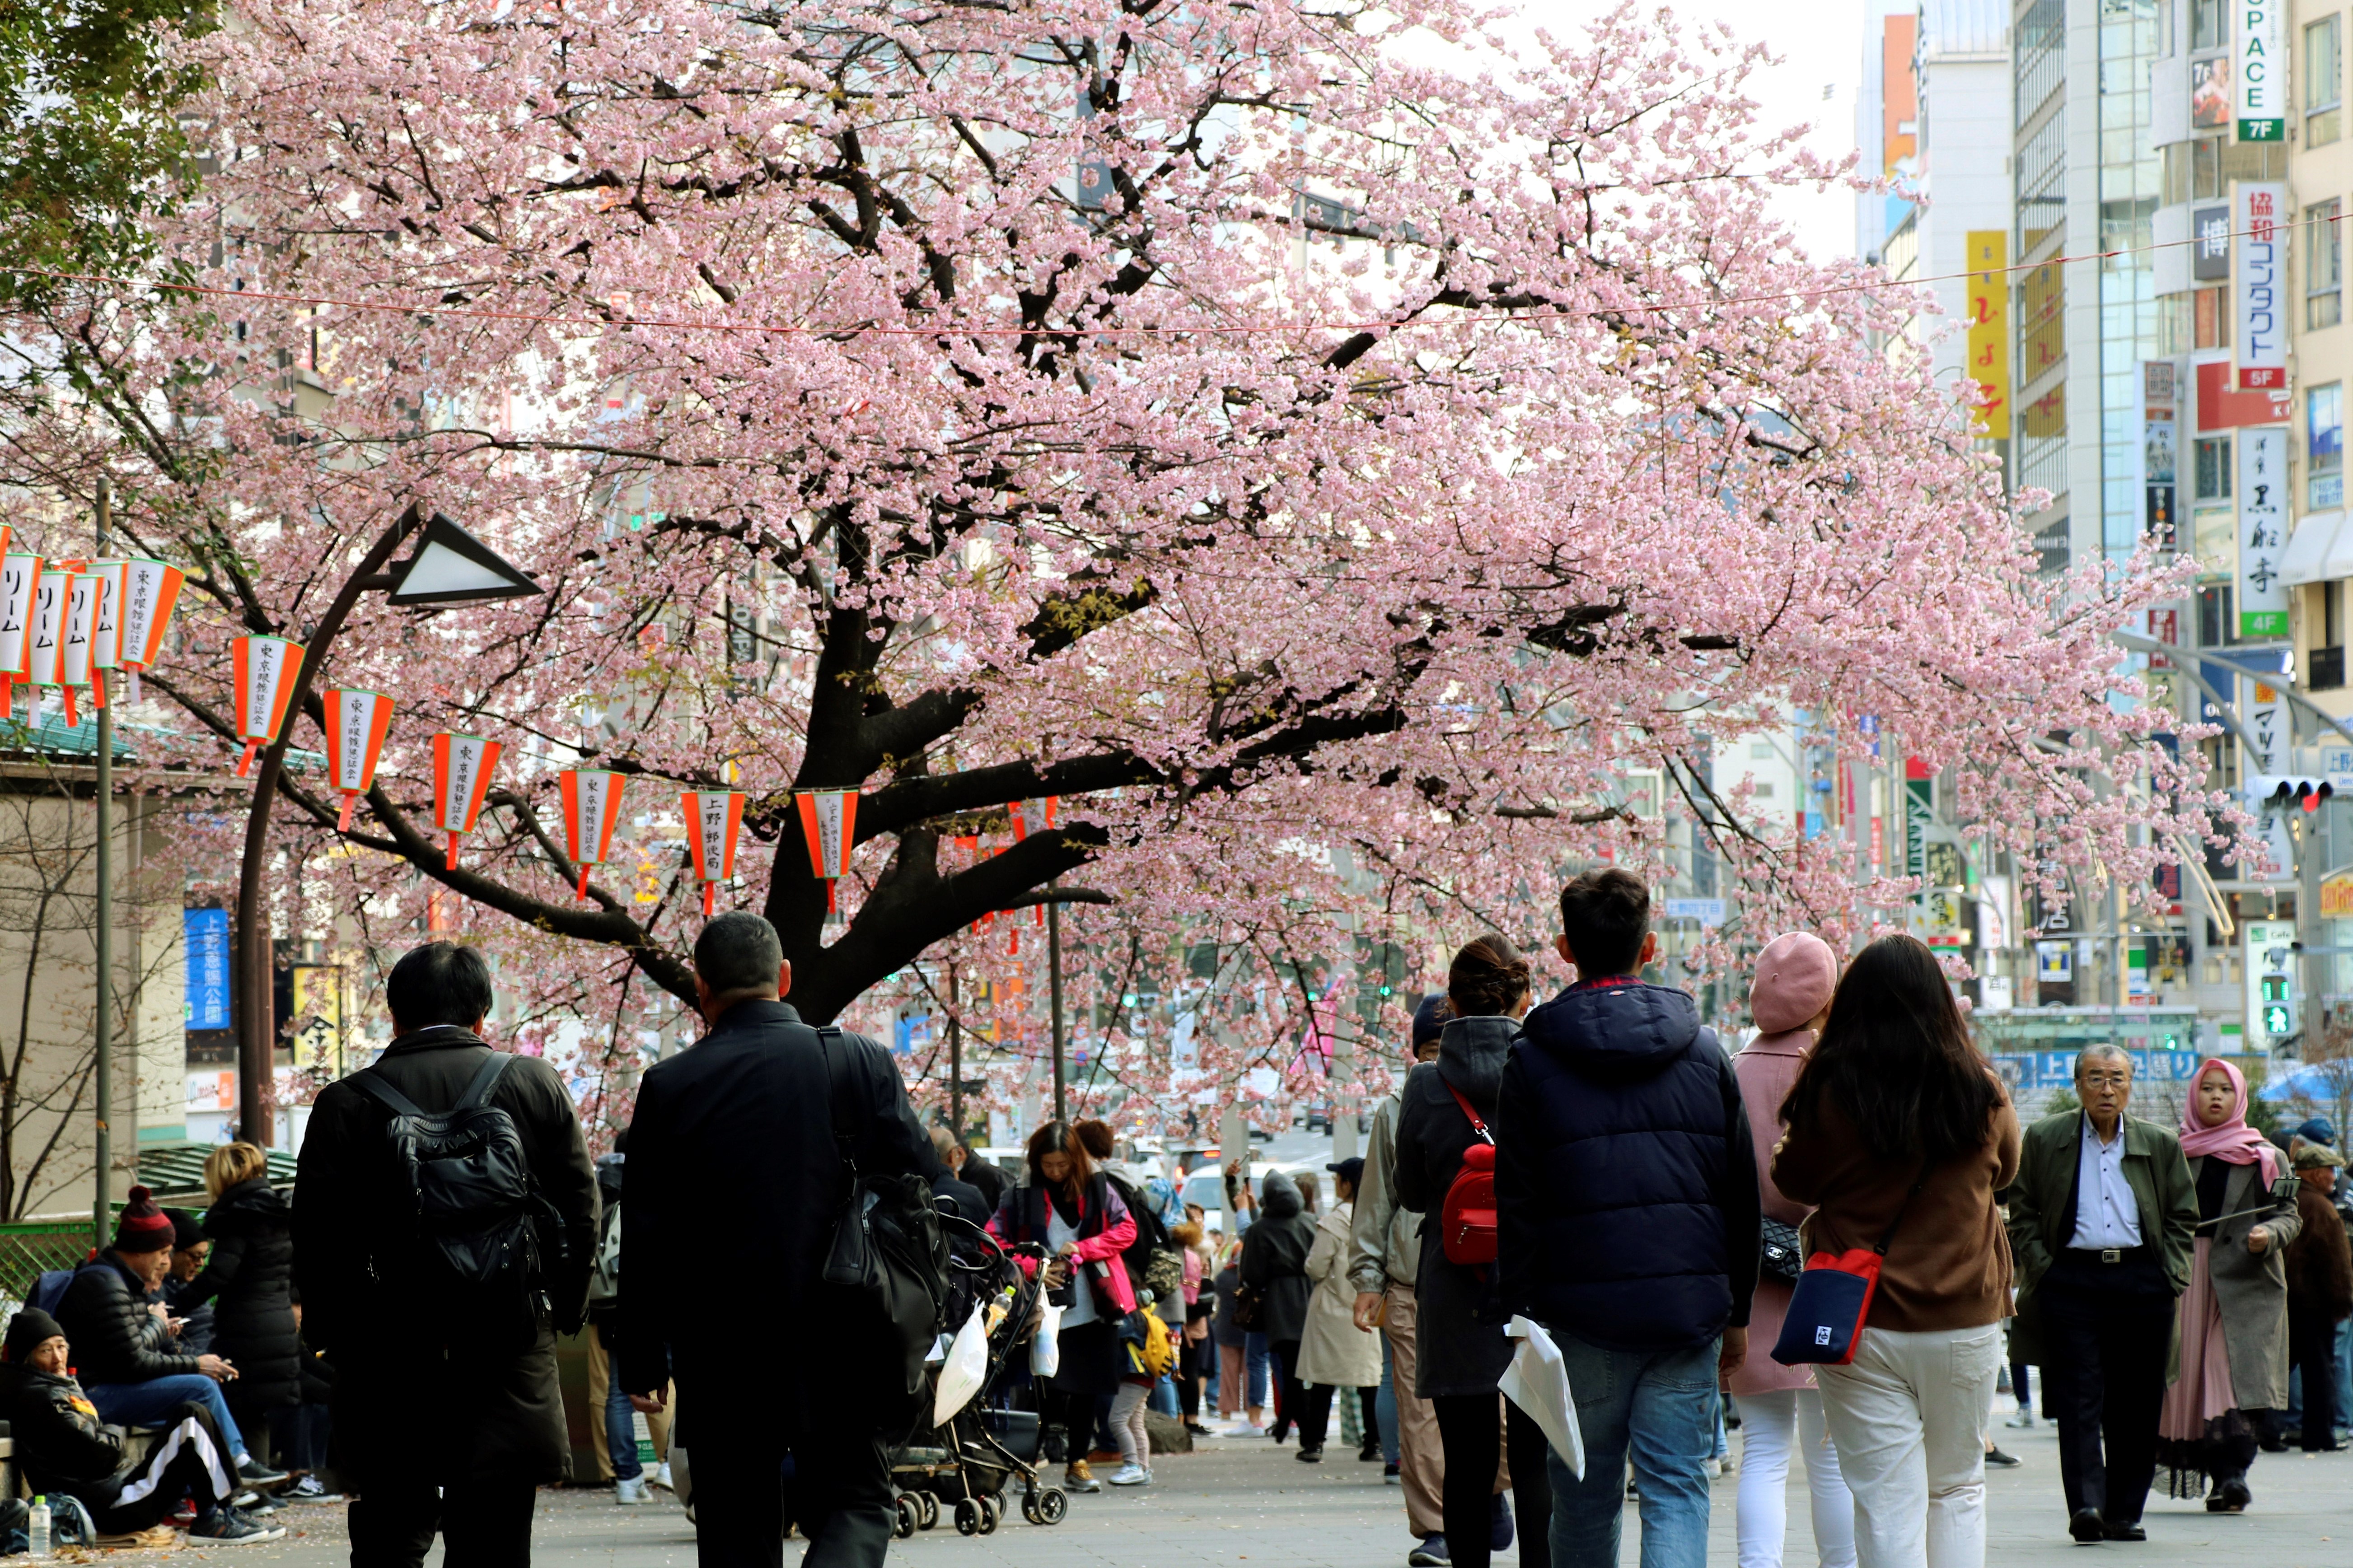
{"x":992,"y":1513}
{"x":930,"y":1504}
{"x":908,"y":1516}
{"x":1030,"y":1508}
{"x":968,"y":1517}
{"x":1054,"y":1505}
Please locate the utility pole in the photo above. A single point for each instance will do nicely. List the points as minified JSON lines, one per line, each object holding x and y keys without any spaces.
{"x":103,"y":1140}
{"x":955,"y":1059}
{"x":1054,"y":993}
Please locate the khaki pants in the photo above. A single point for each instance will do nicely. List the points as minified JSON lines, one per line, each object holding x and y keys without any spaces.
{"x":600,"y":1376}
{"x":1421,"y":1457}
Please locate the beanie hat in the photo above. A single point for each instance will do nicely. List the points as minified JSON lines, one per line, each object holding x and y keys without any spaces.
{"x":1795,"y":976}
{"x":142,"y":1227}
{"x":187,"y":1231}
{"x":1429,"y":1017}
{"x":28,"y":1330}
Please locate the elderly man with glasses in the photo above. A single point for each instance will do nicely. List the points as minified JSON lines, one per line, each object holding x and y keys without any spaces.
{"x":2102,"y":1219}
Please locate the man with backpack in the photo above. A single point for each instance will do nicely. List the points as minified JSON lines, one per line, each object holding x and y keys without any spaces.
{"x":744,"y":1152}
{"x":445,"y":1211}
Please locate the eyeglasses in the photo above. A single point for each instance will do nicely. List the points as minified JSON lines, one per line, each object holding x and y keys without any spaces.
{"x":2108,"y":1079}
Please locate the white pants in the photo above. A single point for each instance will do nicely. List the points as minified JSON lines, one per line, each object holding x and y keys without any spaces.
{"x":1909,"y":1418}
{"x":1769,"y":1424}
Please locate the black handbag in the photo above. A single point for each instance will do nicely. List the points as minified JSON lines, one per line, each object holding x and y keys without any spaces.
{"x":1781,"y":1256}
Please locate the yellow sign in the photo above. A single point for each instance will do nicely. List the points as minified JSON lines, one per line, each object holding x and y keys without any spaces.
{"x":319,"y":1005}
{"x":2337,"y":895}
{"x":1989,"y":339}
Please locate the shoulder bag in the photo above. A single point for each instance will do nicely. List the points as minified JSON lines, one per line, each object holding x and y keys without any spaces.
{"x":1824,"y":1326}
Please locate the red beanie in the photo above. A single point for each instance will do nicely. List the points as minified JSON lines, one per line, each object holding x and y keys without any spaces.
{"x":143,"y":1226}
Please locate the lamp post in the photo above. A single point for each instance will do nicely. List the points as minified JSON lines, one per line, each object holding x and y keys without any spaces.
{"x":450,"y":567}
{"x":102,"y":1140}
{"x":1054,"y":993}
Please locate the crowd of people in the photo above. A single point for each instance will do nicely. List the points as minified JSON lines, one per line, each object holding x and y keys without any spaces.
{"x":2185,"y":1292}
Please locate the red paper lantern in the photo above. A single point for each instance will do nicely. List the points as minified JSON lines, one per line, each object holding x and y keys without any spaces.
{"x":261,"y":675}
{"x":1034,"y":815}
{"x":150,"y":590}
{"x":357,"y":722}
{"x":461,"y":777}
{"x":714,"y":822}
{"x":20,"y":577}
{"x":830,"y":822}
{"x":592,"y":806}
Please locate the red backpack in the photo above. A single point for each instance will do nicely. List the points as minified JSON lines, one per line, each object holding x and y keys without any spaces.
{"x":1467,"y":1220}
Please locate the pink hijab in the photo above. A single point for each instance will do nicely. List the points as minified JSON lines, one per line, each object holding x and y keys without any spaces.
{"x":2233,"y":1140}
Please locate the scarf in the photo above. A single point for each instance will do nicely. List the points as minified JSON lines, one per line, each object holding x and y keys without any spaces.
{"x":2233,"y":1140}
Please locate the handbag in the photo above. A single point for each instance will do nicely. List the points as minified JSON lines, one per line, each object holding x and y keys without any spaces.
{"x":1467,"y":1222}
{"x":1249,"y":1309}
{"x":1824,"y":1326}
{"x":1781,"y":1252}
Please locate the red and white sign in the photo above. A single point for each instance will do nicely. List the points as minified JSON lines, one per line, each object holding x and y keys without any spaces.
{"x":357,"y":722}
{"x":461,"y":777}
{"x":150,"y":589}
{"x":830,"y":823}
{"x":261,"y":676}
{"x":1035,"y":815}
{"x":20,"y":577}
{"x":592,"y":806}
{"x":714,"y":822}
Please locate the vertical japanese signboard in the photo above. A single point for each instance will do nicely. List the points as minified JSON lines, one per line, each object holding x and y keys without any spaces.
{"x":2263,"y":532}
{"x":2261,"y":349}
{"x":205,"y":940}
{"x":2262,"y":86}
{"x":1988,"y":341}
{"x":2158,"y":452}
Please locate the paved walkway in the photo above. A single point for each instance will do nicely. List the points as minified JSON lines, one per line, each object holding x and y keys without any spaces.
{"x":1252,"y":1503}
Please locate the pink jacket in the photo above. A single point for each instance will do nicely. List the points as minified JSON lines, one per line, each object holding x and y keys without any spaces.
{"x":1020,"y":1217}
{"x":1766,"y":1069}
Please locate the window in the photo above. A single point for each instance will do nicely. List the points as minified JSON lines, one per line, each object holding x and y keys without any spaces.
{"x":2324,"y":66}
{"x":2206,"y":169}
{"x":2324,"y":445}
{"x":1760,"y":751}
{"x":2211,"y":462}
{"x":1764,"y":790}
{"x":2206,"y":23}
{"x":2324,"y":266}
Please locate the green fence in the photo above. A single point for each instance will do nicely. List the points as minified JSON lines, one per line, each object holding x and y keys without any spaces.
{"x":29,"y":1249}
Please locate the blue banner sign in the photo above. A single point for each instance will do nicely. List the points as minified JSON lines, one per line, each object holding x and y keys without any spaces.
{"x":206,"y":943}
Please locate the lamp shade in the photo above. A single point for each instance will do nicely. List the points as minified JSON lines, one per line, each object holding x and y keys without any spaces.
{"x":357,"y":722}
{"x":150,"y":590}
{"x":261,"y":678}
{"x":592,"y":806}
{"x":461,"y":777}
{"x":714,"y":822}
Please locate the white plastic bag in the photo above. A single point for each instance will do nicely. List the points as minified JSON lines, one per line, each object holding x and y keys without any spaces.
{"x":1537,"y":1381}
{"x":1045,"y":1347}
{"x":967,"y":1367}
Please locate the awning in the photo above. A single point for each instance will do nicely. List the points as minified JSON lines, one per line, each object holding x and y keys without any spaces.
{"x":2314,"y":550}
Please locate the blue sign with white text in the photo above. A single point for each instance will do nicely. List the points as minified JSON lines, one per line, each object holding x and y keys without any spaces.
{"x":206,"y":941}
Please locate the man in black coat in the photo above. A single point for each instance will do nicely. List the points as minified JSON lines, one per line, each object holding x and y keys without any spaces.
{"x":964,"y":1198}
{"x":734,"y":1167}
{"x":449,"y":1431}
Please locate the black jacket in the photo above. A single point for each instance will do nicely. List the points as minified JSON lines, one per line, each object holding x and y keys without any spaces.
{"x":404,"y":1409}
{"x":1274,"y":1259}
{"x":1460,"y":1348}
{"x":1625,"y":1181}
{"x":965,"y":1199}
{"x":986,"y":1179}
{"x":733,"y":1163}
{"x":250,"y":1279}
{"x":61,"y":1444}
{"x":115,"y":1338}
{"x":196,"y":1316}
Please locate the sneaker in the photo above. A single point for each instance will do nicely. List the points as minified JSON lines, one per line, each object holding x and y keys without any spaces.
{"x":1130,"y":1474}
{"x":1430,"y":1554}
{"x":310,"y":1489}
{"x":1078,"y":1477}
{"x":1996,"y":1456}
{"x":1499,"y":1524}
{"x":1309,"y":1456}
{"x":1369,"y":1453}
{"x":2023,"y":1420}
{"x":227,"y":1527}
{"x":659,"y":1476}
{"x":1198,"y":1430}
{"x":254,"y":1473}
{"x":1391,"y":1476}
{"x":631,"y":1491}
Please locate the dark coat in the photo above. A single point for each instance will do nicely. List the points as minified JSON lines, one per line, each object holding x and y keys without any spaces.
{"x":1274,"y":1259}
{"x":249,"y":1278}
{"x":1626,"y":1183}
{"x":964,"y":1199}
{"x":2320,"y":1262}
{"x":990,"y":1181}
{"x":61,"y":1444}
{"x":115,"y":1338}
{"x":195,"y":1320}
{"x":734,"y":1167}
{"x":467,"y":1411}
{"x":1459,"y":1340}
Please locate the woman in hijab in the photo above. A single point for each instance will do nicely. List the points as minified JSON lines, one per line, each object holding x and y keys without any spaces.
{"x":2233,"y":1316}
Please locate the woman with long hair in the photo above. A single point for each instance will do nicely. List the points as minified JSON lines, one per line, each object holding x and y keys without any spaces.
{"x":250,"y":1279}
{"x":1068,"y":1207}
{"x":1900,"y":1134}
{"x":1461,"y":1350}
{"x":2233,"y":1317}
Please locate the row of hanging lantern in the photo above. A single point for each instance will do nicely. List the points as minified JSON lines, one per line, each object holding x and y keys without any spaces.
{"x":71,"y":624}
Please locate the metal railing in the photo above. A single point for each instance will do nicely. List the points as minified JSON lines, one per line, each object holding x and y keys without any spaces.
{"x":32,"y":1247}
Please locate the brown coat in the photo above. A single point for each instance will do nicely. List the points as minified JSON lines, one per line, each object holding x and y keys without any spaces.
{"x":1948,"y":1267}
{"x":2319,"y":1261}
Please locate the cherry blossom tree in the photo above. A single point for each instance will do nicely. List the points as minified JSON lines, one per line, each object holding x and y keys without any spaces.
{"x":1323,"y":446}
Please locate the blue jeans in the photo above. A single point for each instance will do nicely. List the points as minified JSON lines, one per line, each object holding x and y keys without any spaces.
{"x":1661,"y":1407}
{"x":147,"y":1404}
{"x":621,"y":1431}
{"x":1385,"y":1410}
{"x":1258,"y":1358}
{"x":2344,"y":1372}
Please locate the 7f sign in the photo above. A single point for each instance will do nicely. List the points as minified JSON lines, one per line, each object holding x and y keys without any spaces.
{"x":2262,"y":71}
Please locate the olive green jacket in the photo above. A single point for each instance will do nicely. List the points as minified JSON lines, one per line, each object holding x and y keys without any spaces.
{"x":2041,"y":1220}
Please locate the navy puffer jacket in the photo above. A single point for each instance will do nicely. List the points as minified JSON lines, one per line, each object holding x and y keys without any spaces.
{"x":1624,"y":1178}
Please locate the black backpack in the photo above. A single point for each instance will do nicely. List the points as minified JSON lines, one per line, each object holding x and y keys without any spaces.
{"x":887,"y":1269}
{"x":467,"y":1256}
{"x":1153,"y":1261}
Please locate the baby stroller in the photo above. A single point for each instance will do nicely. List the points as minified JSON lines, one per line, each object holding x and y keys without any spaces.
{"x":966,"y":1464}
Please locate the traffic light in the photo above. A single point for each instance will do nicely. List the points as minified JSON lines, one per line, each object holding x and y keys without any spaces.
{"x":2277,"y":1020}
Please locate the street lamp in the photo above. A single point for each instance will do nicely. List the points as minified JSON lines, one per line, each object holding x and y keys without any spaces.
{"x":450,"y":566}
